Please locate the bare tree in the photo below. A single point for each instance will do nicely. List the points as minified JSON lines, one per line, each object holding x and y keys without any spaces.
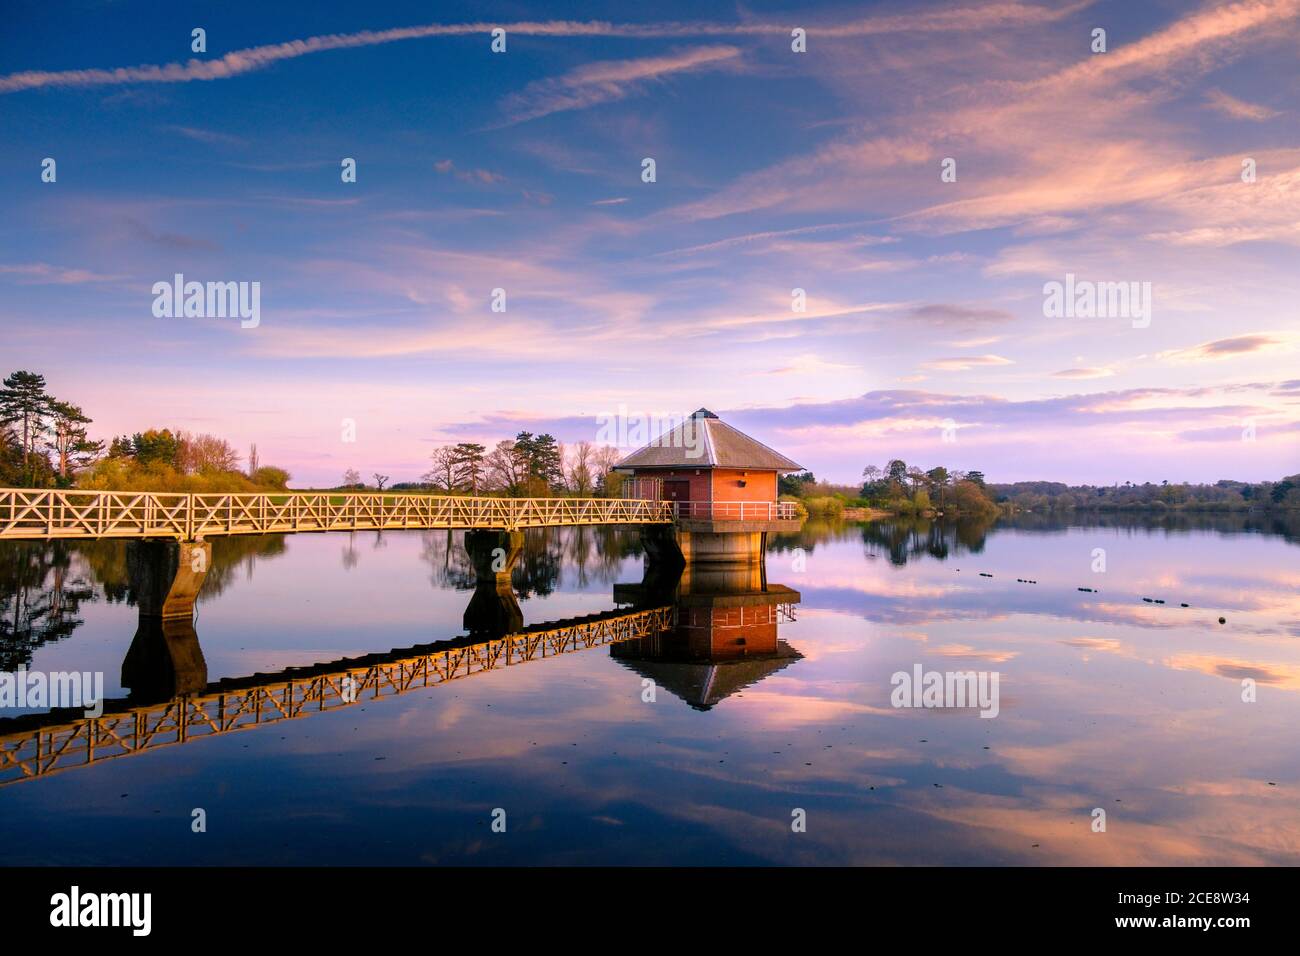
{"x":603,"y":460}
{"x":578,"y":470}
{"x":380,"y":480}
{"x":507,"y":469}
{"x":253,"y":460}
{"x":443,"y":474}
{"x":205,"y":453}
{"x":351,"y":478}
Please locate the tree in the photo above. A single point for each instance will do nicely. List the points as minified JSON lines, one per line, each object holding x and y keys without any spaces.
{"x":72,"y":447}
{"x":380,"y":480}
{"x":253,"y":462}
{"x":469,"y":466}
{"x":268,"y":476}
{"x":795,"y":484}
{"x":351,"y":478}
{"x":874,"y":484}
{"x":507,"y":468}
{"x":443,"y":473}
{"x":916,"y":476}
{"x":155,"y":447}
{"x":205,"y":454}
{"x":581,"y":480}
{"x":121,"y":447}
{"x":937,"y":479}
{"x":542,"y":461}
{"x":25,"y":406}
{"x":608,"y":482}
{"x":970,"y":498}
{"x":976,"y":476}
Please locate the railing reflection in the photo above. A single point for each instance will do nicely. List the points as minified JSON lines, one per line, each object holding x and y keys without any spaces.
{"x":702,"y":632}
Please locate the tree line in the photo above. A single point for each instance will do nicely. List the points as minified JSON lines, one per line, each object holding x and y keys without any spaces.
{"x":907,"y":489}
{"x":897,"y":487}
{"x":1223,"y":495}
{"x":45,"y":443}
{"x":529,"y":466}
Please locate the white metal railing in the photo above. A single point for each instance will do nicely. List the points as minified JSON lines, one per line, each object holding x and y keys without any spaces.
{"x":735,"y":510}
{"x":42,"y":514}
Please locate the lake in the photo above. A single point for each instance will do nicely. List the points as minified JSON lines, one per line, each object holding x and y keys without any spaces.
{"x":754,"y":724}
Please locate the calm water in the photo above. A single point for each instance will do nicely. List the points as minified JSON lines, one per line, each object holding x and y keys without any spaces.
{"x":1106,"y":701}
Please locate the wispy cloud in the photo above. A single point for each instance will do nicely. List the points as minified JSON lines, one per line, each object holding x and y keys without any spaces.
{"x":1084,"y":373}
{"x":964,"y":363}
{"x":483,"y":176}
{"x":206,"y":136}
{"x":42,"y":273}
{"x":1229,"y":348}
{"x":946,"y":315}
{"x":247,"y":60}
{"x":608,"y":81}
{"x":1238,"y":109}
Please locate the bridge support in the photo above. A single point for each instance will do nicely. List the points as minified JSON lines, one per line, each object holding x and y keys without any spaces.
{"x":493,"y":609}
{"x":686,"y":544}
{"x":166,"y":575}
{"x":165,"y":658}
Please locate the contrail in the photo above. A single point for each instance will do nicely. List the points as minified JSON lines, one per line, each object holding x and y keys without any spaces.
{"x":255,"y":58}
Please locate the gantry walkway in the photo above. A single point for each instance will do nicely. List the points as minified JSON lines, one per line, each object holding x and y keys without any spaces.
{"x":27,"y":514}
{"x":47,"y":743}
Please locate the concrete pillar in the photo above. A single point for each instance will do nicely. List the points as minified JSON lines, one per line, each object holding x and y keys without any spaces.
{"x":670,"y":544}
{"x":725,"y":547}
{"x":494,"y":553}
{"x":166,"y":575}
{"x":165,"y":658}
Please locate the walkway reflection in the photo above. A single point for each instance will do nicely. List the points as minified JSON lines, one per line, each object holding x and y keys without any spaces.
{"x":702,"y":633}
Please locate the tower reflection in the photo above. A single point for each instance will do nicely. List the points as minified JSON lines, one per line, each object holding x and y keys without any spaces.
{"x":725,"y":635}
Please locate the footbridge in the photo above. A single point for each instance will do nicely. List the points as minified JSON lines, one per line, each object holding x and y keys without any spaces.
{"x":27,"y":514}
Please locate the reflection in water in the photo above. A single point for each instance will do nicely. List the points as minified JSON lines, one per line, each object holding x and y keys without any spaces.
{"x":703,"y":636}
{"x":724,"y":634}
{"x":1107,"y":700}
{"x":170,"y":703}
{"x":164,"y":660}
{"x":41,"y":590}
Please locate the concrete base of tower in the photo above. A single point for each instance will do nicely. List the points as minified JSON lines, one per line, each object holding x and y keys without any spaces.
{"x":693,"y":542}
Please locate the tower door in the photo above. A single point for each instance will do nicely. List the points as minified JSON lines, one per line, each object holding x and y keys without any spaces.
{"x":677,"y":490}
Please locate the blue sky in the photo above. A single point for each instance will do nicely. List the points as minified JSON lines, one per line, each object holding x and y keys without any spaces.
{"x":775,"y":170}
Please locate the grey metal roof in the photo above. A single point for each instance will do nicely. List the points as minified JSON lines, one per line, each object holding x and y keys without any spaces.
{"x":705,"y":441}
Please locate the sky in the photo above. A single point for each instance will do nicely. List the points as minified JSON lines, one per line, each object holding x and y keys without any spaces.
{"x":922,"y":172}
